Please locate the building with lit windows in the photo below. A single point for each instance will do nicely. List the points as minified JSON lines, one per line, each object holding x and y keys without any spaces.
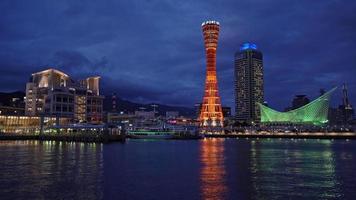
{"x":172,"y":114}
{"x":29,"y":125}
{"x":53,"y":93}
{"x":346,"y":107}
{"x":344,"y":114}
{"x":313,"y":113}
{"x":248,"y":83}
{"x":211,"y":112}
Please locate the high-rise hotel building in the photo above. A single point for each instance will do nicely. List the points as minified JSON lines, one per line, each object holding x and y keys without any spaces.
{"x":54,"y":93}
{"x":248,"y":83}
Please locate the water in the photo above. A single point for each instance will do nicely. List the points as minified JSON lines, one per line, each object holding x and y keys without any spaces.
{"x":154,"y":169}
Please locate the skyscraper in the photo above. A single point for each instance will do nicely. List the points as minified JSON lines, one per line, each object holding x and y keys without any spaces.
{"x":248,"y":83}
{"x":211,"y":113}
{"x":346,"y":107}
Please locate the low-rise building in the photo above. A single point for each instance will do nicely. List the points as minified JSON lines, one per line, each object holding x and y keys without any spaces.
{"x":172,"y":114}
{"x":8,"y":110}
{"x":226,"y":111}
{"x":53,"y":93}
{"x":28,"y":124}
{"x":145,"y":114}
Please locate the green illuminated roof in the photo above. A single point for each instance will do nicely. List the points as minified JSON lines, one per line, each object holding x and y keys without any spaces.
{"x":315,"y":112}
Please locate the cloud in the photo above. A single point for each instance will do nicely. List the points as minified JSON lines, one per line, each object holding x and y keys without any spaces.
{"x":153,"y":50}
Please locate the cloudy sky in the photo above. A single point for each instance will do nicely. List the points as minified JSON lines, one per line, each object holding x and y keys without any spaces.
{"x":152,"y":50}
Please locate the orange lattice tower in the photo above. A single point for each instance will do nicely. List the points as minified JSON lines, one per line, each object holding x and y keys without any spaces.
{"x":211,"y":112}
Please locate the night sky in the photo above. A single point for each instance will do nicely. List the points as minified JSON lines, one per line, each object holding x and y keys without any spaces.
{"x":153,"y":51}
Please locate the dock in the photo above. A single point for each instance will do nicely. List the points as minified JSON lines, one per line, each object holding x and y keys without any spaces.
{"x":66,"y":138}
{"x":81,"y":135}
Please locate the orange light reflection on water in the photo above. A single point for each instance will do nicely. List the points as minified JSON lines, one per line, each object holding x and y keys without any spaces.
{"x":212,"y":173}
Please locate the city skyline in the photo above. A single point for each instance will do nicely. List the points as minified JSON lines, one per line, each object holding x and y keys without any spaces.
{"x":74,"y":39}
{"x":167,"y":99}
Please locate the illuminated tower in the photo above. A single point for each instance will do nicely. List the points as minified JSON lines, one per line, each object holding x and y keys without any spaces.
{"x":211,"y":112}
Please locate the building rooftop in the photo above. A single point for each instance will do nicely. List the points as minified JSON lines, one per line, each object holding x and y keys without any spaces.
{"x":94,"y":77}
{"x":247,"y":46}
{"x":210,"y":22}
{"x":49,"y":71}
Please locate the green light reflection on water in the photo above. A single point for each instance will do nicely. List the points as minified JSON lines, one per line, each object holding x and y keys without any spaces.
{"x":298,"y":168}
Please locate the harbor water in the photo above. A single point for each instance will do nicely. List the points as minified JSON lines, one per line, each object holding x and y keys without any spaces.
{"x":214,"y":168}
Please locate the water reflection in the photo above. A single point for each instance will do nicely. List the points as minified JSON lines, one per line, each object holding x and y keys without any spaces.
{"x":175,"y":170}
{"x":212,"y":173}
{"x":301,"y":169}
{"x":50,"y":170}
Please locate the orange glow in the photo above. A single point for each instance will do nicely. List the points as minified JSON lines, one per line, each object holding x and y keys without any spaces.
{"x":211,"y":112}
{"x":212,"y":173}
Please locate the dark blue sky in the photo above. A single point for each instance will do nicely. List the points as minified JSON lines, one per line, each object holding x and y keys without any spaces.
{"x":152,"y":50}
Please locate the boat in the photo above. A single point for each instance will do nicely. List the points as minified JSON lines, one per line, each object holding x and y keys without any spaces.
{"x":163,"y":131}
{"x":151,"y":134}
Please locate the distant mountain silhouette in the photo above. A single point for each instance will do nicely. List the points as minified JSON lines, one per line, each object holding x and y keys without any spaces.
{"x":128,"y":106}
{"x":6,"y":99}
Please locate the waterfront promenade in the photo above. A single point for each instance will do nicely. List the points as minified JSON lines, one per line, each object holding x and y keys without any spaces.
{"x":302,"y":135}
{"x":82,"y":135}
{"x":108,"y":136}
{"x":68,"y":138}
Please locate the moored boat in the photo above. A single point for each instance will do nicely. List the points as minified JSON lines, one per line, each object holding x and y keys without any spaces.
{"x":150,"y":134}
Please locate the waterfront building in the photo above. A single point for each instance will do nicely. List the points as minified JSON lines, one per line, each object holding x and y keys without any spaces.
{"x":29,"y":125}
{"x":172,"y":114}
{"x":12,"y":99}
{"x":126,"y":121}
{"x":12,"y":103}
{"x":53,"y":93}
{"x":197,"y":108}
{"x":211,"y":113}
{"x":344,"y":114}
{"x":249,"y":90}
{"x":314,"y":113}
{"x":183,"y":121}
{"x":145,"y":114}
{"x":8,"y":110}
{"x":226,"y":111}
{"x":335,"y":116}
{"x":346,"y":107}
{"x":298,"y":101}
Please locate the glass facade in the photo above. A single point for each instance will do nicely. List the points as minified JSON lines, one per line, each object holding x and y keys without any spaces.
{"x":28,"y":125}
{"x":315,"y":112}
{"x":248,"y":83}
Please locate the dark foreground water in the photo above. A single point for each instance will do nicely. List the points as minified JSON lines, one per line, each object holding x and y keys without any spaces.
{"x":176,"y":170}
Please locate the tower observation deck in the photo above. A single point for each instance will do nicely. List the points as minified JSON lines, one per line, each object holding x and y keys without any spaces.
{"x":211,"y":112}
